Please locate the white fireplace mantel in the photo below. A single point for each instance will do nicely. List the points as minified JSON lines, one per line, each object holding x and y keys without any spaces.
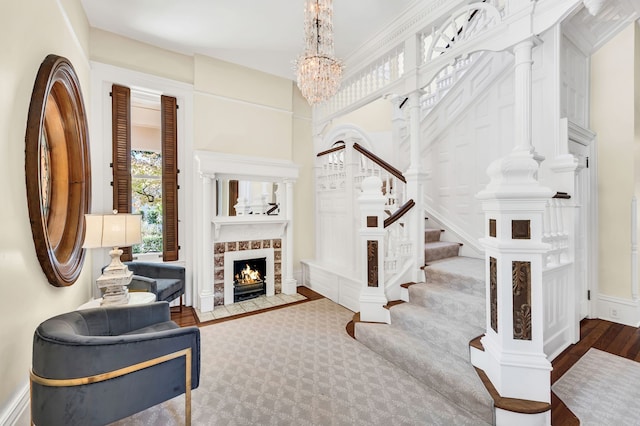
{"x":241,"y":167}
{"x":210,"y":166}
{"x":236,"y":228}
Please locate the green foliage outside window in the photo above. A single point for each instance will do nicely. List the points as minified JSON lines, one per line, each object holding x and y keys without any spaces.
{"x":146,"y":192}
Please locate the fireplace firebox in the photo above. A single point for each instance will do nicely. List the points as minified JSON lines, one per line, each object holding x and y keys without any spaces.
{"x":249,"y":278}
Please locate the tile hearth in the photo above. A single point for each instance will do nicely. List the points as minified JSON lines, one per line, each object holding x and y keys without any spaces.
{"x":252,"y":305}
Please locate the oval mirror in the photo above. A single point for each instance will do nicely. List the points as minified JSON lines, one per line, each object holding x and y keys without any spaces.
{"x":58,"y":172}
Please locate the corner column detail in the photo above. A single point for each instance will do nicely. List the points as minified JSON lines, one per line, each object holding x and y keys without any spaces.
{"x":514,"y":205}
{"x":372,"y":295}
{"x":289,"y":284}
{"x":205,"y":272}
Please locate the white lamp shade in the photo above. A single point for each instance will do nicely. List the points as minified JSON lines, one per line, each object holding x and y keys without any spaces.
{"x":112,"y":230}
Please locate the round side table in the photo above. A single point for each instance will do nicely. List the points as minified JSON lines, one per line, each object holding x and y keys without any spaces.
{"x":135,"y":298}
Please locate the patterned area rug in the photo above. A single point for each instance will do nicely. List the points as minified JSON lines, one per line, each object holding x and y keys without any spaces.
{"x":602,"y":389}
{"x":298,"y":366}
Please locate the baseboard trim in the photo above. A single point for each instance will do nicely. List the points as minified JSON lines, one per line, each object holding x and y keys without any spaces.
{"x":619,"y":310}
{"x":17,"y":407}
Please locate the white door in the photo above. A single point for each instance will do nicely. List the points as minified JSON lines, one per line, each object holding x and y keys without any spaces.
{"x":584,"y":239}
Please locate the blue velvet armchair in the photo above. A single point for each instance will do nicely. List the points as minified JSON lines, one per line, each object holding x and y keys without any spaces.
{"x":96,"y":366}
{"x":165,"y":280}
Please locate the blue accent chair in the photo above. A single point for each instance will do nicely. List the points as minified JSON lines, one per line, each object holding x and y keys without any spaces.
{"x":96,"y":366}
{"x":165,"y":280}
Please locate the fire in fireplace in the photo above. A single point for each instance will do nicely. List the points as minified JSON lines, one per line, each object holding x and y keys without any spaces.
{"x":249,"y":278}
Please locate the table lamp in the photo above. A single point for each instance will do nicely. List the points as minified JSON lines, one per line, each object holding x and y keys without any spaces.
{"x":113,"y":230}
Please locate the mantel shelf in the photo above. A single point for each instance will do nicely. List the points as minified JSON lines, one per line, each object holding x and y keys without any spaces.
{"x":248,"y":220}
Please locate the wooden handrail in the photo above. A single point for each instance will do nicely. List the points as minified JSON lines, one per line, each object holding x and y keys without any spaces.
{"x":329,"y":151}
{"x":399,"y":213}
{"x":379,"y":161}
{"x":562,"y":195}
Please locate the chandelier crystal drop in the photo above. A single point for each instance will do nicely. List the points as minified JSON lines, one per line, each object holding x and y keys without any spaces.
{"x":317,"y":70}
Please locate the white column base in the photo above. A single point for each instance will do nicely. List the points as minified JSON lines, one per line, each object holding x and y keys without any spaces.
{"x":520,"y":375}
{"x":372,"y":308}
{"x":509,"y":418}
{"x":206,"y":302}
{"x":289,"y":286}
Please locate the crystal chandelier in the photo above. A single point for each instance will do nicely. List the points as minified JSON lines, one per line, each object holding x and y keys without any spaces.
{"x":318,"y":71}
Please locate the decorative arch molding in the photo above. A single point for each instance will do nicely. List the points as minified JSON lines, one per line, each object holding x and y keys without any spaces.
{"x":346,"y":132}
{"x":58,"y":171}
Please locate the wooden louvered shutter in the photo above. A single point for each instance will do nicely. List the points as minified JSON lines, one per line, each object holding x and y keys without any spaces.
{"x":169,"y":178}
{"x":121,"y":148}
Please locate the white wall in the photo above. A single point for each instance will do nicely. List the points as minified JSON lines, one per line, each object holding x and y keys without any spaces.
{"x":236,"y":110}
{"x":614,"y":114}
{"x":29,"y":30}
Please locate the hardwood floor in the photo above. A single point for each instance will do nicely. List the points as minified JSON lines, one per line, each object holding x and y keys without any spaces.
{"x":188,"y":316}
{"x":604,"y":335}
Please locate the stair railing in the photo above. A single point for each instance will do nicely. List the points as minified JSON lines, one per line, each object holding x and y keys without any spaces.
{"x":558,"y":268}
{"x":555,"y":230}
{"x":393,"y":182}
{"x":332,"y":168}
{"x":340,"y":173}
{"x":444,"y":81}
{"x":398,"y":245}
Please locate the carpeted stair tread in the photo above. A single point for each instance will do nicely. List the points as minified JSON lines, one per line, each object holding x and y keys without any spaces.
{"x":465,"y":274}
{"x":451,"y":376}
{"x":435,"y":328}
{"x":440,"y":250}
{"x":467,"y":307}
{"x":432,"y":235}
{"x":461,"y":266}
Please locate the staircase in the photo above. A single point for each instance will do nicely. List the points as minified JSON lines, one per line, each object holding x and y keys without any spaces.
{"x":429,"y":335}
{"x":434,"y":249}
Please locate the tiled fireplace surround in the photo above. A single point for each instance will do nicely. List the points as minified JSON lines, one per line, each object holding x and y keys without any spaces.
{"x":250,"y":248}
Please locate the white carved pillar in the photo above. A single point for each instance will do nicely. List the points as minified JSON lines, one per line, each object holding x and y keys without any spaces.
{"x":289,"y":284}
{"x":415,"y":187}
{"x":372,"y":295}
{"x":205,"y":273}
{"x":522,"y":101}
{"x":514,"y":204}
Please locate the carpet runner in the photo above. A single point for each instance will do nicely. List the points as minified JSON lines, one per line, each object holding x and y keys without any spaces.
{"x":601,"y":389}
{"x":429,"y":336}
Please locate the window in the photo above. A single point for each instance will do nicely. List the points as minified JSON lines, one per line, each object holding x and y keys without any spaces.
{"x":145,"y":172}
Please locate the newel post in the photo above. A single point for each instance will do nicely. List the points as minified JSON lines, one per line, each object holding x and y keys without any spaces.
{"x":372,"y":296}
{"x":514,"y":205}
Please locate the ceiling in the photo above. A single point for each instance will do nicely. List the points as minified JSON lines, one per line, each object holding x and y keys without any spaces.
{"x":266,"y":35}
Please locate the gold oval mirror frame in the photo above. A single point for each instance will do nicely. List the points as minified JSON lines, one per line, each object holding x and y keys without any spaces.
{"x":58,"y":171}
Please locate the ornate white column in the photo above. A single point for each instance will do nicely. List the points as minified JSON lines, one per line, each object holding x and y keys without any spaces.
{"x":522,"y":104}
{"x":415,"y":179}
{"x":372,"y":296}
{"x":205,"y":273}
{"x":514,"y":204}
{"x":289,"y":284}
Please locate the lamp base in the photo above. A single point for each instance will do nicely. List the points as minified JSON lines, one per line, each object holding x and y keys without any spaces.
{"x":114,"y":280}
